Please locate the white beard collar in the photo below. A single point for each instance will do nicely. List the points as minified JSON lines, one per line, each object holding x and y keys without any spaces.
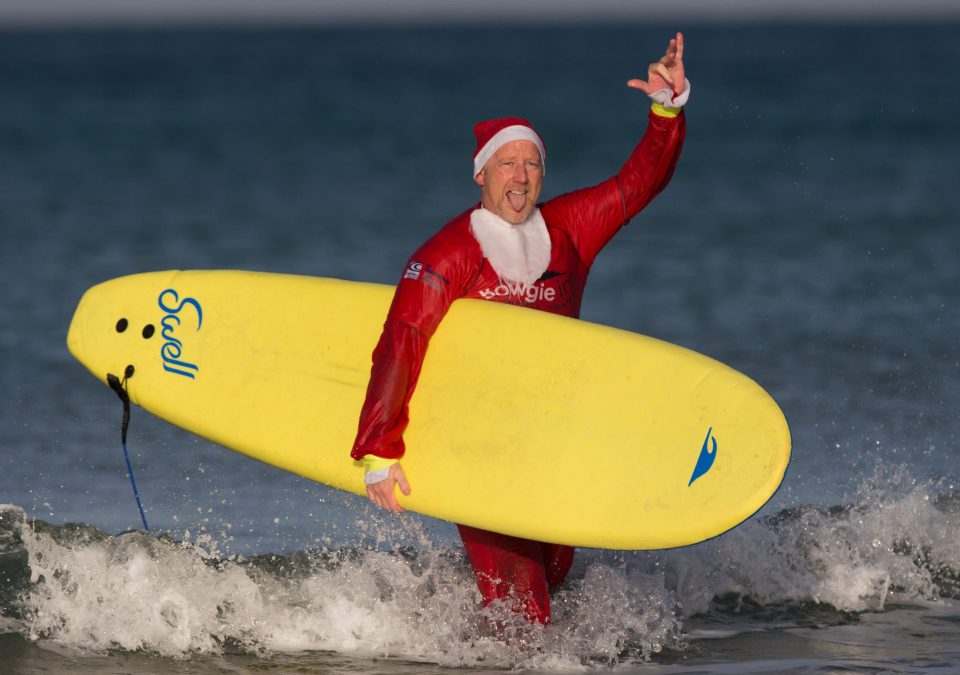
{"x":516,"y":252}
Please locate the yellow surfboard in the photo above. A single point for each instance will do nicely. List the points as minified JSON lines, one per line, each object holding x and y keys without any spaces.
{"x":523,"y":422}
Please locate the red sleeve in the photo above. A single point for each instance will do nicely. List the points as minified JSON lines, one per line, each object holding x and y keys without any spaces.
{"x":593,"y":215}
{"x":437,"y":274}
{"x":396,"y":367}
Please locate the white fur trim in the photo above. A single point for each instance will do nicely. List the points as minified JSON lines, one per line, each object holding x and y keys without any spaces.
{"x":517,"y":132}
{"x":668,"y":99}
{"x":516,"y":252}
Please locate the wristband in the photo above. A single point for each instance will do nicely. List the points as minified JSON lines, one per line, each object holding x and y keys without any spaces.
{"x":664,"y":111}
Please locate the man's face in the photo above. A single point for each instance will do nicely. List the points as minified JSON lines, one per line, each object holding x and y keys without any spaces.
{"x":510,"y":181}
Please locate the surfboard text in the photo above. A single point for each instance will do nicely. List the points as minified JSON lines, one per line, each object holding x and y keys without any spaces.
{"x":172,"y":349}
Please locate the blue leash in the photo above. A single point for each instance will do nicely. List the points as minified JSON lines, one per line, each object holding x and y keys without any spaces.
{"x":121,"y":391}
{"x":133,"y":482}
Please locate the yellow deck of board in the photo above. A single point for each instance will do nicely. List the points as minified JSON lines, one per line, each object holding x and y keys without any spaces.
{"x":523,"y":422}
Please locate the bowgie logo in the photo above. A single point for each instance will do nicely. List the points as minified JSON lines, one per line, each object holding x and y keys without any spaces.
{"x":707,"y":455}
{"x":529,"y":293}
{"x":172,"y":349}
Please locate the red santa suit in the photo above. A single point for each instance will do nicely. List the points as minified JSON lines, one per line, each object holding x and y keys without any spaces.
{"x":542,"y":263}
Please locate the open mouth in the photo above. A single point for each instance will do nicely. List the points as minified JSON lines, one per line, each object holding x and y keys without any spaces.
{"x":517,"y":199}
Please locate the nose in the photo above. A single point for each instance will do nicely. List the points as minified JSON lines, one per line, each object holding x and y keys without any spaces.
{"x":520,"y":173}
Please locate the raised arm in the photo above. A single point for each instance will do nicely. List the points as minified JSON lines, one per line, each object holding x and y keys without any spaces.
{"x":592,"y":216}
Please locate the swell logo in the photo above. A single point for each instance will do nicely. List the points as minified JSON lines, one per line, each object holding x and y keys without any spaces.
{"x":705,"y":460}
{"x":172,"y":349}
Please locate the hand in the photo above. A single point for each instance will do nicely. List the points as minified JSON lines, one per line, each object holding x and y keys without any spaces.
{"x":667,"y":73}
{"x":382,"y":493}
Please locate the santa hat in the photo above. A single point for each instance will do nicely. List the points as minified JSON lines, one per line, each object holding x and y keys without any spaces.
{"x":493,"y":134}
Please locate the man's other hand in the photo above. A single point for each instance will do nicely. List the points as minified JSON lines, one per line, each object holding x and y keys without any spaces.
{"x":667,"y":73}
{"x":382,"y":493}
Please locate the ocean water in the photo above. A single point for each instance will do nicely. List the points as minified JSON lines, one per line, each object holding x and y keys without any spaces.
{"x":808,"y":239}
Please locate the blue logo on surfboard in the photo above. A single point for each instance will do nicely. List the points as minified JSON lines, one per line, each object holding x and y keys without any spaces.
{"x":171,"y":351}
{"x":705,"y":460}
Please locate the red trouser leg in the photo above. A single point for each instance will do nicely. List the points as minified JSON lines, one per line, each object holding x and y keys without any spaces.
{"x":520,"y":569}
{"x":557,"y":559}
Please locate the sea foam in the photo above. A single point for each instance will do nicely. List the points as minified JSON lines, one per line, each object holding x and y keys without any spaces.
{"x":895,"y":541}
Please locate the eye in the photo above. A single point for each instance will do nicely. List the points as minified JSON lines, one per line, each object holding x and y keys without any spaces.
{"x":122,"y":325}
{"x":148,"y":331}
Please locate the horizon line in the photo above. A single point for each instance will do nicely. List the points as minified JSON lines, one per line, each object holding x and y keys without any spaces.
{"x":107,"y":14}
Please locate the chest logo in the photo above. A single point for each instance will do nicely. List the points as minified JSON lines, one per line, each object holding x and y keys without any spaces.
{"x":529,"y":293}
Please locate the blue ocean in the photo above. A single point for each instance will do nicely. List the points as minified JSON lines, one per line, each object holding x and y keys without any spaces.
{"x":808,"y":239}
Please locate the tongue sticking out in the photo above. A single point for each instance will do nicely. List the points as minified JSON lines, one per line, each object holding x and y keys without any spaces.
{"x":517,"y":200}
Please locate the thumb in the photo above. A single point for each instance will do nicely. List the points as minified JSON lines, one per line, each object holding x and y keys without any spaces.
{"x":638,"y":84}
{"x":402,"y":481}
{"x":665,"y":74}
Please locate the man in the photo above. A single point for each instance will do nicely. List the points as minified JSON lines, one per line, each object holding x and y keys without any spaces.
{"x":511,"y":249}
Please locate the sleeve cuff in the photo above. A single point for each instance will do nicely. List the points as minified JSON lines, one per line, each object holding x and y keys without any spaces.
{"x":663,"y":111}
{"x":376,"y":468}
{"x":668,"y":104}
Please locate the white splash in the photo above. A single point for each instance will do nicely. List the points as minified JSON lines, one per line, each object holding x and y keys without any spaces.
{"x":135,"y":592}
{"x":95,"y":593}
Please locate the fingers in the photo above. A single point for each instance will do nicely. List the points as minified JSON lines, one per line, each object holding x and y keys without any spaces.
{"x":674,"y":51}
{"x":663,"y":69}
{"x":655,"y":71}
{"x":374,"y":496}
{"x":671,"y":54}
{"x":383,"y":496}
{"x":391,"y":502}
{"x":402,"y":481}
{"x":663,"y":72}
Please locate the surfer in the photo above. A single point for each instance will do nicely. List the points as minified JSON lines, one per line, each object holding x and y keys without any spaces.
{"x":510,"y":248}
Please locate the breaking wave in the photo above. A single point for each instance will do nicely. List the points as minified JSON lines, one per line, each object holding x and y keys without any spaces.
{"x":77,"y":587}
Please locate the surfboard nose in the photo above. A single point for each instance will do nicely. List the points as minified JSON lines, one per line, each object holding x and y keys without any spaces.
{"x":77,"y":335}
{"x":106,"y":336}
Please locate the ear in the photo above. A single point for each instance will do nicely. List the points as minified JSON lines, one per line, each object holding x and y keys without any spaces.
{"x":478,"y":179}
